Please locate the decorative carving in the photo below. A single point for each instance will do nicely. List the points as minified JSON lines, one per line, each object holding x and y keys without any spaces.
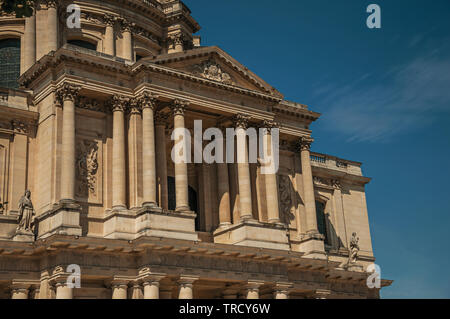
{"x":161,"y":118}
{"x":125,"y":25}
{"x":304,"y":144}
{"x":109,"y":20}
{"x":354,"y":249}
{"x":321,"y":181}
{"x":148,"y":100}
{"x":175,"y":39}
{"x":134,"y":106}
{"x":241,"y":121}
{"x":285,"y":197}
{"x":89,"y":104}
{"x":212,"y":71}
{"x":179,"y":107}
{"x":268,"y":125}
{"x":20,"y":127}
{"x":67,"y":92}
{"x":26,"y":214}
{"x":118,"y":103}
{"x":336,"y":183}
{"x":87,"y":167}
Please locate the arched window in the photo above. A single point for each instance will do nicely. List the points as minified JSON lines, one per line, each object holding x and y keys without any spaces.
{"x":322,"y":220}
{"x":83,"y":44}
{"x":9,"y":63}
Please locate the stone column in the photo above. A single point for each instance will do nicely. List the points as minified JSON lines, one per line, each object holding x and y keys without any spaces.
{"x":181,"y":172}
{"x":62,"y":291}
{"x":127,"y":41}
{"x":273,"y":213}
{"x":253,"y":289}
{"x":148,"y":103}
{"x":137,"y":291}
{"x":118,"y":165}
{"x":134,"y":144}
{"x":19,"y":291}
{"x":281,"y":291}
{"x":151,"y":286}
{"x":308,"y":186}
{"x":161,"y":161}
{"x":67,"y":93}
{"x":223,"y":187}
{"x":245,"y":192}
{"x":52,"y":23}
{"x":108,"y":46}
{"x":30,"y":42}
{"x":186,"y":284}
{"x":119,"y":289}
{"x":339,"y":211}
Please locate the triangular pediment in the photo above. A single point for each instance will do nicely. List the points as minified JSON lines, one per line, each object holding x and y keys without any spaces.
{"x":212,"y":63}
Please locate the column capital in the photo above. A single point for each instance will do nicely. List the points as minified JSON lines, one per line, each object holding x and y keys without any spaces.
{"x":125,"y":25}
{"x":67,"y":92}
{"x":268,"y":125}
{"x":336,"y":184}
{"x":52,"y":3}
{"x":241,"y":121}
{"x":283,"y":287}
{"x":109,"y":20}
{"x":178,"y":106}
{"x":253,"y":285}
{"x":134,"y":106}
{"x":304,"y":143}
{"x":118,"y":103}
{"x":187,"y":281}
{"x":148,"y":100}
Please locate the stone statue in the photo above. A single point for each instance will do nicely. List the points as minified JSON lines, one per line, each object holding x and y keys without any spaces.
{"x":354,"y":249}
{"x":26,"y":213}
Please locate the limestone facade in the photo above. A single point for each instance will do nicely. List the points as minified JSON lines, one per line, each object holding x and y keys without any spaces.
{"x":88,"y":132}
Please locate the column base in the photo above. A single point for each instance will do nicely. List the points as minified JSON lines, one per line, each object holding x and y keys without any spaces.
{"x":62,"y":219}
{"x":253,"y":234}
{"x":312,"y":245}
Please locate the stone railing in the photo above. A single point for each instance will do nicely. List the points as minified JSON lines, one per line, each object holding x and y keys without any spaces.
{"x":335,"y":163}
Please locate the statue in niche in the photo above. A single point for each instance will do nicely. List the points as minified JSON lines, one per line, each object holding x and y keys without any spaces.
{"x":26,"y":213}
{"x":87,"y":167}
{"x":354,"y":249}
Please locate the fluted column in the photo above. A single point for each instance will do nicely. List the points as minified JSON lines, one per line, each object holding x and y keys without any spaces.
{"x":181,"y":172}
{"x":52,"y":23}
{"x":118,"y":166}
{"x":127,"y":40}
{"x":273,"y":213}
{"x":308,"y":186}
{"x":109,"y":35}
{"x":223,"y":187}
{"x":148,"y":103}
{"x":245,"y":192}
{"x":19,"y":291}
{"x":67,"y":94}
{"x":253,"y":290}
{"x":161,"y":160}
{"x":119,"y":289}
{"x":30,"y":42}
{"x":186,"y":287}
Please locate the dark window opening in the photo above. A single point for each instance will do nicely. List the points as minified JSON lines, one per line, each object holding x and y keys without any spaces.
{"x":322,"y":220}
{"x":83,"y":44}
{"x":192,"y":194}
{"x":9,"y":63}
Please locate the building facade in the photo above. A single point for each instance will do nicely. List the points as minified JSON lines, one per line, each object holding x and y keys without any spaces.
{"x":87,"y":177}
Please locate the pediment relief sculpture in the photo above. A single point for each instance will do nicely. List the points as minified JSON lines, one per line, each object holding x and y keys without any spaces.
{"x":211,"y":70}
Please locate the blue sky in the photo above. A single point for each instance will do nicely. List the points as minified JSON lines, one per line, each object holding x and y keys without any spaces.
{"x":385,"y":99}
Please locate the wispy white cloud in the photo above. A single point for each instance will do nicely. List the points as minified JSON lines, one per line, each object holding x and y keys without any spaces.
{"x":408,"y":96}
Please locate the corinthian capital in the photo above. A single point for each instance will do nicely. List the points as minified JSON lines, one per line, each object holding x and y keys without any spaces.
{"x":109,"y":20}
{"x":67,"y":92}
{"x":179,"y":107}
{"x":268,"y":125}
{"x":241,"y":121}
{"x":134,"y":106}
{"x":304,"y":144}
{"x":126,"y":26}
{"x":148,"y":100}
{"x":52,"y":3}
{"x":118,"y":103}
